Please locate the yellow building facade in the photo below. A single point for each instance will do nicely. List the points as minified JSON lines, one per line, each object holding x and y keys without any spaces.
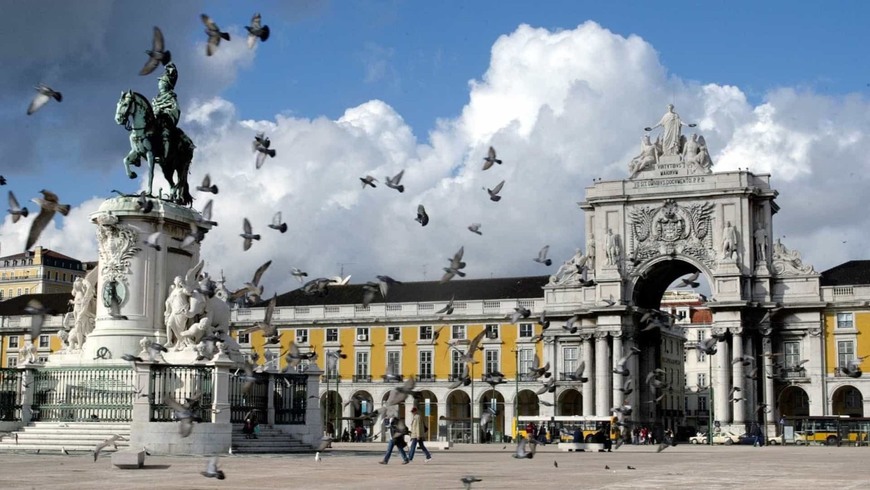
{"x":38,"y":271}
{"x":15,"y":327}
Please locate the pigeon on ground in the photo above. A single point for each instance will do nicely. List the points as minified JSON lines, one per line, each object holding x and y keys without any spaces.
{"x":493,"y":193}
{"x":48,"y":205}
{"x":468,"y":480}
{"x":394,"y":182}
{"x":214,"y":35}
{"x":44,"y":93}
{"x":368,"y":180}
{"x":256,"y":31}
{"x":111,"y":441}
{"x":542,"y":256}
{"x":157,"y":54}
{"x":15,"y":209}
{"x":475,"y":228}
{"x":207,"y":186}
{"x":247,"y":234}
{"x":490,"y":159}
{"x":277,"y":224}
{"x":422,"y":217}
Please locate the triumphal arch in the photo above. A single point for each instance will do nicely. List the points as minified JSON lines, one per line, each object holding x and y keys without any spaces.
{"x":671,"y":217}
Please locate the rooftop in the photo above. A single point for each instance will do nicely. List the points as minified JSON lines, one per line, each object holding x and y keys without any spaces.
{"x":851,"y":273}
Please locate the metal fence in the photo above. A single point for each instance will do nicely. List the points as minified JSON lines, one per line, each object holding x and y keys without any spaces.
{"x":255,"y":400}
{"x":10,"y":394}
{"x":290,"y":398}
{"x":100,"y":394}
{"x":185,"y":384}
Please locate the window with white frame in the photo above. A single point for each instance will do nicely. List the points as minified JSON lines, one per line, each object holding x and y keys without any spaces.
{"x":12,"y":362}
{"x":458,"y":332}
{"x":425,"y":332}
{"x":492,"y":364}
{"x":702,"y":380}
{"x":492,"y":331}
{"x":457,"y":365}
{"x":569,"y":359}
{"x":526,"y":330}
{"x":845,"y":352}
{"x":362,"y":334}
{"x":301,"y":335}
{"x":394,"y":333}
{"x":845,"y":320}
{"x":394,"y":362}
{"x":332,"y":335}
{"x":700,"y":334}
{"x":362,"y":363}
{"x":43,"y":341}
{"x":425,"y":364}
{"x":244,"y":338}
{"x":702,"y":403}
{"x":702,"y":356}
{"x":42,"y":359}
{"x":792,"y":351}
{"x":13,"y":342}
{"x":527,"y":357}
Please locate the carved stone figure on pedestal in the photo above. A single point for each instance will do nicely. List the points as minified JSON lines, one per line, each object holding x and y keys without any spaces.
{"x":696,"y":155}
{"x":175,"y":314}
{"x":570,"y":271}
{"x":27,"y":353}
{"x":672,"y":127}
{"x":84,"y":312}
{"x":761,"y":243}
{"x":729,"y":243}
{"x":789,"y":262}
{"x":648,"y":157}
{"x":612,"y":248}
{"x":590,"y":251}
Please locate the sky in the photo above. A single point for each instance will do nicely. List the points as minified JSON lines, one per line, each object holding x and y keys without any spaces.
{"x":344,"y":89}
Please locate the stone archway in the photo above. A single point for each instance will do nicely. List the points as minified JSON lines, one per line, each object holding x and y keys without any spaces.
{"x":652,"y":279}
{"x":847,"y":400}
{"x":430,"y":420}
{"x":459,"y":416}
{"x":570,"y":402}
{"x":528,"y":404}
{"x":492,"y":400}
{"x":794,"y":402}
{"x":330,"y":406}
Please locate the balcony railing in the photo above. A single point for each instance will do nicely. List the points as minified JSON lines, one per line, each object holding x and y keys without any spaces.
{"x":426,"y":377}
{"x":330,"y":377}
{"x":393,"y":379}
{"x":362,"y":378}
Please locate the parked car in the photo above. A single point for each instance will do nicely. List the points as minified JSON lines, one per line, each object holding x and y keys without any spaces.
{"x":721,"y":437}
{"x":748,"y":439}
{"x":774,"y":441}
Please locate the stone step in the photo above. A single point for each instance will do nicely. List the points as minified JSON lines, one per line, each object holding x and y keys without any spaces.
{"x":72,"y":430}
{"x":50,"y":437}
{"x":64,"y":438}
{"x":270,"y":450}
{"x":53,"y":449}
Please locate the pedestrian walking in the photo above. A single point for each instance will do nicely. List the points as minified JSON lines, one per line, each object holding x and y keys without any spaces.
{"x":396,"y":430}
{"x":419,"y":429}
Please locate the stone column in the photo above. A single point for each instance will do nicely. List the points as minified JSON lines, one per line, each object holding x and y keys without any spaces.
{"x":270,"y":403}
{"x":221,"y":407}
{"x":313,"y":418}
{"x":722,"y":407}
{"x":767,"y":348}
{"x":589,"y":386}
{"x":602,"y":375}
{"x":617,"y":378}
{"x":738,"y":407}
{"x":634,"y":369}
{"x":27,"y":385}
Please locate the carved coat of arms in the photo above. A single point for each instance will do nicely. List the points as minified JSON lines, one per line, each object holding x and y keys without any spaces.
{"x":672,"y":229}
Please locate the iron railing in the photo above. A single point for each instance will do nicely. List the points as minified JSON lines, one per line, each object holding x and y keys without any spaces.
{"x":425,"y":377}
{"x":362,"y":378}
{"x":290,"y":398}
{"x":256,"y":399}
{"x":99,"y":394}
{"x":10,"y":394}
{"x":185,"y":384}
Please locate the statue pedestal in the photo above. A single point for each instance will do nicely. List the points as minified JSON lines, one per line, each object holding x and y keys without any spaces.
{"x":140,"y":275}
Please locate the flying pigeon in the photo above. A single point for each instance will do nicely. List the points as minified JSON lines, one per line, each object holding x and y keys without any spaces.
{"x":298,"y":273}
{"x":422,"y":217}
{"x":261,"y":148}
{"x":207,"y":185}
{"x":48,"y":205}
{"x":157,"y":54}
{"x":153,"y":240}
{"x":144,"y":204}
{"x":690,"y":280}
{"x":248,"y":235}
{"x":394,"y":182}
{"x":277,"y":224}
{"x":493,"y":193}
{"x":490,"y":159}
{"x":15,"y":209}
{"x":368,"y":180}
{"x":44,"y":93}
{"x":214,"y":35}
{"x":256,"y":31}
{"x":542,"y":256}
{"x":475,"y":228}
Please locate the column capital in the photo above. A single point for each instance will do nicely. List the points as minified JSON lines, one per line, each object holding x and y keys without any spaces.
{"x":766,"y":330}
{"x":586,"y":336}
{"x":736,"y":330}
{"x":601,"y":335}
{"x":814,"y":332}
{"x":617,"y":334}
